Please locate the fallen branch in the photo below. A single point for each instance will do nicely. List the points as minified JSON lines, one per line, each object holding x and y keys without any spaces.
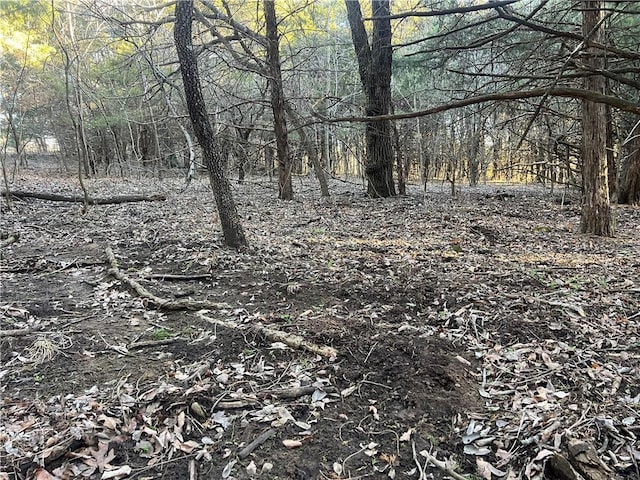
{"x":12,"y":238}
{"x":156,"y":301}
{"x":259,"y":440}
{"x":15,"y":333}
{"x":54,"y":197}
{"x":151,"y":343}
{"x":290,"y":339}
{"x":283,"y":393}
{"x":531,"y":299}
{"x":177,"y":277}
{"x":253,"y":400}
{"x":435,"y":462}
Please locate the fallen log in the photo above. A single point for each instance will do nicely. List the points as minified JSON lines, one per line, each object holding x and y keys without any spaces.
{"x":54,"y":197}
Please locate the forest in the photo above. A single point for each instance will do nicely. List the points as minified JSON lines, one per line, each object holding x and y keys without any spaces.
{"x":320,"y":239}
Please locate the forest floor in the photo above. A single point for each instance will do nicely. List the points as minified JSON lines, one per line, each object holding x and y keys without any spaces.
{"x":481,"y":333}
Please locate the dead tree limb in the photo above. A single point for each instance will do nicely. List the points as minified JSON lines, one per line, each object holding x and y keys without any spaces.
{"x":577,"y":93}
{"x":161,"y":303}
{"x":259,"y":440}
{"x":178,"y":277}
{"x":15,"y":333}
{"x":290,"y":339}
{"x":151,"y":343}
{"x":54,"y":197}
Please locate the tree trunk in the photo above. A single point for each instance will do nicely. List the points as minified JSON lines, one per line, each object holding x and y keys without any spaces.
{"x":229,"y":219}
{"x":285,"y":188}
{"x":310,"y":148}
{"x":374,"y":67}
{"x":629,"y":191}
{"x":597,"y":217}
{"x":400,"y":162}
{"x":612,"y":167}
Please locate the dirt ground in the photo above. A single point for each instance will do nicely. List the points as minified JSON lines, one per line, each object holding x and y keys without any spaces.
{"x":479,"y":334}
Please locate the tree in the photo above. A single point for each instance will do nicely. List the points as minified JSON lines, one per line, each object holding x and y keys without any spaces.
{"x":596,"y":217}
{"x":630,"y":176}
{"x":229,"y":218}
{"x":374,"y":68}
{"x":285,"y":188}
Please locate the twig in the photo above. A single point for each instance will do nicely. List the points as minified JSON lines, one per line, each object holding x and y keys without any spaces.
{"x":418,"y":463}
{"x":151,"y":343}
{"x":287,"y":392}
{"x":290,"y":339}
{"x":529,"y":298}
{"x":15,"y":333}
{"x":173,"y":276}
{"x":158,"y":302}
{"x":259,"y":440}
{"x":437,"y":463}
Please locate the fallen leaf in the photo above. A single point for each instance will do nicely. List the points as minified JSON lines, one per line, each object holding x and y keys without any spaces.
{"x":228,"y":468}
{"x":348,"y":391}
{"x":42,"y":474}
{"x":252,"y":470}
{"x":406,"y":436}
{"x":482,"y":467}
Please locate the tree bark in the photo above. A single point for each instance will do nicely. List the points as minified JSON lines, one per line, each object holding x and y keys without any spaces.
{"x":229,"y":218}
{"x":285,"y":187}
{"x":310,"y":148}
{"x":53,"y":197}
{"x":374,"y":67}
{"x":629,"y":191}
{"x":597,"y":217}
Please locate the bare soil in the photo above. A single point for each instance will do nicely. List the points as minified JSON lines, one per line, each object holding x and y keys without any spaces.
{"x":482,"y":329}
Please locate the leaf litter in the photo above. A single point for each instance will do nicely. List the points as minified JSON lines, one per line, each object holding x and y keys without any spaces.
{"x":475,"y":335}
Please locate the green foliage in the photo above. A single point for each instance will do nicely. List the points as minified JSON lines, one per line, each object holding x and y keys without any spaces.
{"x":162,"y":334}
{"x":24,"y":38}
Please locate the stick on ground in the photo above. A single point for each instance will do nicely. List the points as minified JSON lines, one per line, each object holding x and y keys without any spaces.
{"x":290,"y":339}
{"x":162,"y":303}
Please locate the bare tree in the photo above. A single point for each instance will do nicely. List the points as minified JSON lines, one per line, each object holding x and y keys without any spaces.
{"x":231,"y":226}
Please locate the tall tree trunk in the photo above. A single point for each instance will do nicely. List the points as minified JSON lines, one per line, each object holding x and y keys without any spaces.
{"x":630,"y":176}
{"x":310,"y":148}
{"x":597,"y":217}
{"x":229,"y":219}
{"x":285,"y":188}
{"x":374,"y":67}
{"x":400,"y":161}
{"x":612,"y":167}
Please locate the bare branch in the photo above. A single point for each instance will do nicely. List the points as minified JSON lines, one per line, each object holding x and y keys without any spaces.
{"x":558,"y":33}
{"x":448,"y":11}
{"x":624,"y":105}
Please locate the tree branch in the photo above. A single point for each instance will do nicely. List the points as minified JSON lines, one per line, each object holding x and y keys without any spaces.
{"x":574,"y":36}
{"x":448,"y":11}
{"x":624,"y":105}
